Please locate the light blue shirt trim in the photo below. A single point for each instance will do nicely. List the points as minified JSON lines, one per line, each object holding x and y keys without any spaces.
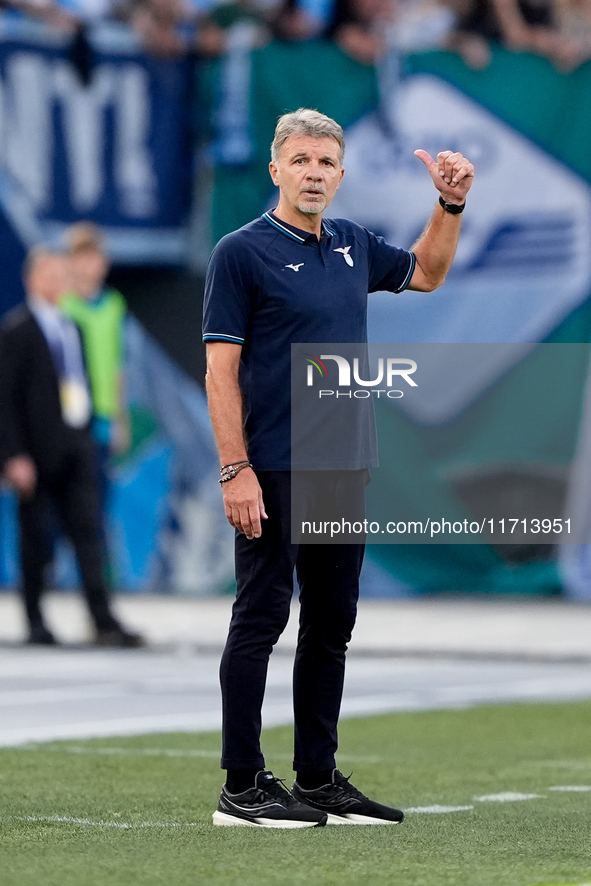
{"x":222,"y":336}
{"x":411,"y":270}
{"x":283,"y":230}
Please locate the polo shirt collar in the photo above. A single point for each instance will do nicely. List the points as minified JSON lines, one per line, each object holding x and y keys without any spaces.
{"x":292,"y":232}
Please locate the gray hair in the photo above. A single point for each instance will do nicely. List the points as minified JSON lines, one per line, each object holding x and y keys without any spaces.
{"x":305,"y":121}
{"x":84,"y":237}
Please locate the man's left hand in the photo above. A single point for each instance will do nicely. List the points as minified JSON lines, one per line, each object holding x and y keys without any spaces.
{"x":452,"y":174}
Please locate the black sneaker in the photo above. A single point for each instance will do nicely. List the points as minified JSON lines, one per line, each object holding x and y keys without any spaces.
{"x":119,"y":638}
{"x":267,"y":805}
{"x":344,"y":804}
{"x":39,"y":635}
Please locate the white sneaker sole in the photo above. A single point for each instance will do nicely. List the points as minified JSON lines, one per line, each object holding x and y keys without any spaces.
{"x":356,"y":819}
{"x":225,"y":820}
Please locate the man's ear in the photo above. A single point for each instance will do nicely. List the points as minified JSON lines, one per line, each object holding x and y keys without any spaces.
{"x":273,"y":172}
{"x":341,"y":178}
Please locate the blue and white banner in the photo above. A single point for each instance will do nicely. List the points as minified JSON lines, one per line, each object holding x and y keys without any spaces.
{"x":115,"y":150}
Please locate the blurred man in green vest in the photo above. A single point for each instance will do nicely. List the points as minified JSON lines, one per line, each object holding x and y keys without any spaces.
{"x":99,"y":312}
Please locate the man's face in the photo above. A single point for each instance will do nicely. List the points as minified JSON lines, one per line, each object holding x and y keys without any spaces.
{"x":89,"y":269}
{"x":49,"y":278}
{"x":308,"y":172}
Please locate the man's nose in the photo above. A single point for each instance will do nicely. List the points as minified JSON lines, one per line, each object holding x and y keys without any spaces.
{"x":314,"y":174}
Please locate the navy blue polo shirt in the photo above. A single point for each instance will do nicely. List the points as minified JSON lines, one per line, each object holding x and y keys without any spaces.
{"x":269,"y":285}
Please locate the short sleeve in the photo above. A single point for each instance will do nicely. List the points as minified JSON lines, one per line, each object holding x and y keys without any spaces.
{"x":390,"y":268}
{"x":229,"y":292}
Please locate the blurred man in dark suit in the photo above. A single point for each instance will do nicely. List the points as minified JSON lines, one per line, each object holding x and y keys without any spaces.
{"x":46,"y":450}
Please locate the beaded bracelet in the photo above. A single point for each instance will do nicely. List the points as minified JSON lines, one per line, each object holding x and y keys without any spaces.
{"x":228,"y":472}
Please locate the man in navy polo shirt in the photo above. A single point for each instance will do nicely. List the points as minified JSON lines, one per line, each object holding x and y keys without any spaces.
{"x":293,"y":276}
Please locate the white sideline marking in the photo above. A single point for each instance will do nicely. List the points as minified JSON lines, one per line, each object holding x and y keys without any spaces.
{"x":437,"y":810}
{"x":205,"y":721}
{"x":575,"y":789}
{"x":507,"y":797}
{"x":167,"y":752}
{"x":87,"y":822}
{"x":564,"y":764}
{"x":127,"y":752}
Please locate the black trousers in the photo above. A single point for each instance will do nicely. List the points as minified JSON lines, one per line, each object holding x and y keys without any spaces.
{"x":72,"y":496}
{"x":328,"y":577}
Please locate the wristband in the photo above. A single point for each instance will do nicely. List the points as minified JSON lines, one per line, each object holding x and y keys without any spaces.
{"x":228,"y":472}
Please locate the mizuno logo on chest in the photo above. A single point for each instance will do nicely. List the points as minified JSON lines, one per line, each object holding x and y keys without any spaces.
{"x":295,"y":267}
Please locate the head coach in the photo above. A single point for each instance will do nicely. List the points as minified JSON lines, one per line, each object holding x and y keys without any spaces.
{"x":294,"y":276}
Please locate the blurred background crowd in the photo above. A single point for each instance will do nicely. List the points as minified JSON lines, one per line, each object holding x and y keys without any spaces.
{"x":559,"y":30}
{"x":151,"y":120}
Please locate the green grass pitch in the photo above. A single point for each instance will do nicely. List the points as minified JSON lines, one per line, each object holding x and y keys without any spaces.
{"x":515,"y":781}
